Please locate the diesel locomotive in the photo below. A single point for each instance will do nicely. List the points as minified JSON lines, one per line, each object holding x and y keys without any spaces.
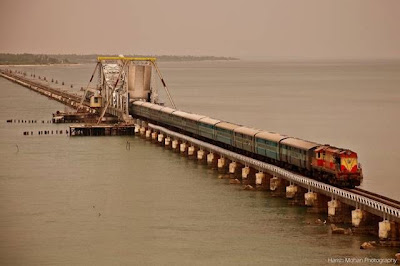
{"x":335,"y":166}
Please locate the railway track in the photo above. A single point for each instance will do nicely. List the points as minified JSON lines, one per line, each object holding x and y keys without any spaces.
{"x":371,"y":195}
{"x":66,"y":95}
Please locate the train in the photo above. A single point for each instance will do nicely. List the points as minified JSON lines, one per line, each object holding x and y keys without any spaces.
{"x":323,"y":162}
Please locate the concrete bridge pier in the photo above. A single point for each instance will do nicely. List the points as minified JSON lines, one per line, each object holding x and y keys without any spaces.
{"x":235,"y":169}
{"x":176,"y":145}
{"x":183,"y":148}
{"x":263,"y":180}
{"x":385,"y":229}
{"x":364,"y":223}
{"x":249,"y":176}
{"x":295,"y":194}
{"x":316,"y":202}
{"x":160,"y":138}
{"x":192,"y":151}
{"x":148,"y":134}
{"x":212,"y":159}
{"x":154,"y":136}
{"x":137,"y":129}
{"x":278,"y":186}
{"x":339,"y":212}
{"x":223,"y":165}
{"x":201,"y":156}
{"x":168,"y":143}
{"x":389,"y":233}
{"x":142,"y":131}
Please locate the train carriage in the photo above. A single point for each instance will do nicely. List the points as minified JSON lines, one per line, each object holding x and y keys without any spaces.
{"x":165,"y":115}
{"x":224,"y":132}
{"x":137,"y":108}
{"x":146,"y":111}
{"x":297,"y":152}
{"x":244,"y":138}
{"x":192,"y":123}
{"x":207,"y":127}
{"x":178,"y":119}
{"x":267,"y":144}
{"x":154,"y":111}
{"x":333,"y":165}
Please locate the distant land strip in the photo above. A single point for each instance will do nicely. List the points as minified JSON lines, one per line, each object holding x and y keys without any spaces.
{"x":54,"y":59}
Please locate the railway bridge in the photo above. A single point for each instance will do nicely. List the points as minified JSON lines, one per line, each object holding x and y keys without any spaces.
{"x":123,"y":82}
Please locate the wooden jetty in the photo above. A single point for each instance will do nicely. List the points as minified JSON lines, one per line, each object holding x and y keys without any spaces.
{"x":101,"y":130}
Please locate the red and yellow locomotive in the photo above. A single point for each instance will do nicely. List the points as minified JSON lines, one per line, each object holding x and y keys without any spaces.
{"x":336,"y":166}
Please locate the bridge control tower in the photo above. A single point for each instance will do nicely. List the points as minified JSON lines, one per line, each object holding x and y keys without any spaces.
{"x":123,"y":80}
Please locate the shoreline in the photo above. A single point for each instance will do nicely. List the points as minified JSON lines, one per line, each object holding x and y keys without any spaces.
{"x":30,"y":65}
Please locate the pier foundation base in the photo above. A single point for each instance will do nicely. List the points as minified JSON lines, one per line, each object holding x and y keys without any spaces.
{"x":192,"y":151}
{"x":142,"y":131}
{"x":277,"y":186}
{"x":160,"y":139}
{"x":263,"y":181}
{"x":212,"y":159}
{"x":148,"y":133}
{"x":235,"y":169}
{"x":167,"y":143}
{"x":175,"y":145}
{"x":201,"y":156}
{"x":183,"y":148}
{"x":248,"y":176}
{"x":154,"y":136}
{"x":338,"y":212}
{"x":316,"y":202}
{"x":223,"y":164}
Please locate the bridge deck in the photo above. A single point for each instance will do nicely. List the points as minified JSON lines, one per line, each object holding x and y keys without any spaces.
{"x":388,"y":209}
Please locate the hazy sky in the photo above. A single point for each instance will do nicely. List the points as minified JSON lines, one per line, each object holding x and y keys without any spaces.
{"x":269,"y":28}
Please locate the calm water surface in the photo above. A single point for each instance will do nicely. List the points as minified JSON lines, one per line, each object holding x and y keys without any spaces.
{"x":89,"y":201}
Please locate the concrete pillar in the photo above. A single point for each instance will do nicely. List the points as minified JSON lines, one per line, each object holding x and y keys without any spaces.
{"x":389,"y":230}
{"x":223,"y":164}
{"x":183,"y":148}
{"x":160,"y":138}
{"x":232,"y":167}
{"x":310,"y":198}
{"x":339,"y":212}
{"x":175,"y":145}
{"x":333,"y":207}
{"x":142,"y":131}
{"x":278,"y":186}
{"x":167,"y":142}
{"x":291,"y":191}
{"x":154,"y":136}
{"x":245,"y":172}
{"x":137,"y":129}
{"x":274,"y":183}
{"x":201,"y":155}
{"x":364,"y":222}
{"x":148,"y":133}
{"x":295,"y":194}
{"x":260,"y":176}
{"x":262,"y":180}
{"x":248,"y":176}
{"x":317,"y":202}
{"x":384,"y":229}
{"x":192,"y":151}
{"x":357,"y":216}
{"x":212,"y":159}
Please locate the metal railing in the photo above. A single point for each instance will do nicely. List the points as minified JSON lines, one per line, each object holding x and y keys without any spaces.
{"x":310,"y":184}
